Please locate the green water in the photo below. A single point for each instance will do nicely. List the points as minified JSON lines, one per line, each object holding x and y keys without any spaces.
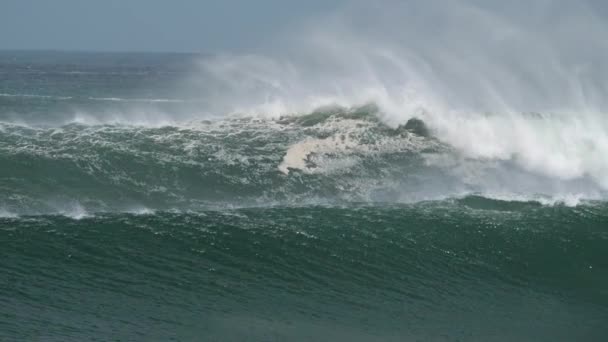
{"x":424,"y":272}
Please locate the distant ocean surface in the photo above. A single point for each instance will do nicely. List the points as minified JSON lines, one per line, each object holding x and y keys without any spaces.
{"x":130,"y":211}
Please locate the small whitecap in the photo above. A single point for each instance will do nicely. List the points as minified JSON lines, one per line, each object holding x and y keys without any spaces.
{"x":4,"y":213}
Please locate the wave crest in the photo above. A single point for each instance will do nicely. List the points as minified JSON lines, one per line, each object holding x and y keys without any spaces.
{"x":330,"y":156}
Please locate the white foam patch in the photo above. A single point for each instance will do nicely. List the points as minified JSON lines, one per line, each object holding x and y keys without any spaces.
{"x":75,"y":211}
{"x":4,"y":213}
{"x":570,"y":200}
{"x":556,"y":146}
{"x":141,"y":211}
{"x":345,"y":147}
{"x":133,"y":117}
{"x":298,"y":155}
{"x":566,"y":199}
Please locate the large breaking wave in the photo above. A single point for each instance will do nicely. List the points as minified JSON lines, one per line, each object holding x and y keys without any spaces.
{"x":331,"y":156}
{"x":371,"y":103}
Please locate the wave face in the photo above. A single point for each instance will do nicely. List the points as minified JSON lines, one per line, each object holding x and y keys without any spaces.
{"x":392,"y":273}
{"x":364,"y":183}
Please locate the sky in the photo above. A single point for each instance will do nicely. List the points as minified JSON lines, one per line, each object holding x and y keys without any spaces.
{"x":178,"y":25}
{"x":149,"y":25}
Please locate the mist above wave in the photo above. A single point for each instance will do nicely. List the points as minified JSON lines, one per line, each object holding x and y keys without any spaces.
{"x":498,"y":82}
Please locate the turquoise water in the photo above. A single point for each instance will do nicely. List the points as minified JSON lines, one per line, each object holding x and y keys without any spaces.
{"x":126,"y":213}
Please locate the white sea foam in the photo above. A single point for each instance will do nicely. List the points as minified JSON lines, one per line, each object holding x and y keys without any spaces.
{"x":4,"y":213}
{"x":345,"y":147}
{"x":132,"y":117}
{"x":565,"y":199}
{"x":140,"y":210}
{"x":74,"y":210}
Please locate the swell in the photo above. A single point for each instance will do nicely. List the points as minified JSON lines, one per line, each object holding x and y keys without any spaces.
{"x":440,"y":269}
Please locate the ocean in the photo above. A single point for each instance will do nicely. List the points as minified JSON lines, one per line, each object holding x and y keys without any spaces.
{"x":132,"y":209}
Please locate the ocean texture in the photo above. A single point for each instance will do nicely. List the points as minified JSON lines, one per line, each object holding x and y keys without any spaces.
{"x":131,"y":210}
